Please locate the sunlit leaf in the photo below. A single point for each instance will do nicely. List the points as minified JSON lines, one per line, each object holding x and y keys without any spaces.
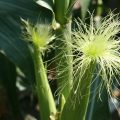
{"x":46,"y":3}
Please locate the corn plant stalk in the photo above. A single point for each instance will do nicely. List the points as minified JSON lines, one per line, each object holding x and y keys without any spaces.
{"x":45,"y":97}
{"x":64,"y":62}
{"x":40,"y":36}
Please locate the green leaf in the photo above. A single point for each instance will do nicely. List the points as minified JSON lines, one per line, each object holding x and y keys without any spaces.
{"x":25,"y":8}
{"x":84,"y":7}
{"x":46,"y":4}
{"x":11,"y":43}
{"x":13,"y":47}
{"x":49,"y":5}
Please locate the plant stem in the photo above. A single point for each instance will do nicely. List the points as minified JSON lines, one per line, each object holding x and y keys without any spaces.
{"x":45,"y":97}
{"x":64,"y":63}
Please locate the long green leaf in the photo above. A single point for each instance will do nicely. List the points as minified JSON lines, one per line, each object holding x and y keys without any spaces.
{"x":27,"y":9}
{"x":19,"y":7}
{"x":13,"y":47}
{"x":10,"y":32}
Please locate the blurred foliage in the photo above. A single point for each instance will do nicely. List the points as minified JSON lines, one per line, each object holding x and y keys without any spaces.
{"x":8,"y":81}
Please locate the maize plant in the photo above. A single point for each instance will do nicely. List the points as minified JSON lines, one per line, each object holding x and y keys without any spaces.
{"x":82,"y":55}
{"x":96,"y":48}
